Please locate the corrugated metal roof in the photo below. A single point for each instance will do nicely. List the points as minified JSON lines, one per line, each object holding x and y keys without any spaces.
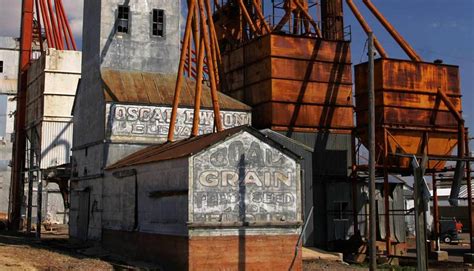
{"x":174,"y":150}
{"x":155,"y":88}
{"x":188,"y":147}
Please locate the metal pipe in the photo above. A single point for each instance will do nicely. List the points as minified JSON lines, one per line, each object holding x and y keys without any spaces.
{"x":309,"y":18}
{"x":68,"y":27}
{"x":212,"y":40}
{"x":47,"y":25}
{"x":260,"y":16}
{"x":179,"y":80}
{"x":39,"y":205}
{"x":198,"y":92}
{"x":394,"y":33}
{"x":435,"y":210}
{"x":60,"y":25}
{"x":372,"y":212}
{"x":354,"y":183}
{"x":16,"y":186}
{"x":363,"y":23}
{"x":450,"y":105}
{"x":63,"y":21}
{"x":469,"y":193}
{"x":59,"y":42}
{"x":212,"y":75}
{"x":247,"y":17}
{"x":386,"y":188}
{"x":38,"y":18}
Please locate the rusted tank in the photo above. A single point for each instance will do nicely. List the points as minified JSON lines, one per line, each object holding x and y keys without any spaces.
{"x":409,"y":109}
{"x":303,"y":84}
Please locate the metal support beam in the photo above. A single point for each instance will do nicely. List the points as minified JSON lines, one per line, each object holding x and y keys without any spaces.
{"x":420,"y":215}
{"x":17,"y":180}
{"x":363,"y":23}
{"x":435,"y":211}
{"x":394,"y":33}
{"x":39,"y":204}
{"x":469,"y":194}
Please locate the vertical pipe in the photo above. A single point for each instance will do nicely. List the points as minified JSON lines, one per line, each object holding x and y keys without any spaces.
{"x":179,"y":80}
{"x":30,"y":186}
{"x":435,"y":210}
{"x":16,"y":187}
{"x":39,"y":205}
{"x":332,"y":19}
{"x":386,"y":190}
{"x":398,"y":38}
{"x":354,"y":185}
{"x":469,"y":193}
{"x":372,"y":213}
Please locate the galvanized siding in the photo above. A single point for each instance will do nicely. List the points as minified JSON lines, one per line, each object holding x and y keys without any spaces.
{"x":56,"y":143}
{"x":306,"y":153}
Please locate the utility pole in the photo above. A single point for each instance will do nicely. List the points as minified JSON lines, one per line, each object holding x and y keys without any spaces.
{"x":372,"y":212}
{"x":422,"y":196}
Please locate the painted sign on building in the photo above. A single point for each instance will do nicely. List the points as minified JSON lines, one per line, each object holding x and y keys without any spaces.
{"x":245,"y":180}
{"x":140,"y":123}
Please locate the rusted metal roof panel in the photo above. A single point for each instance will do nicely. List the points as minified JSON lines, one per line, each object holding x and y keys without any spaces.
{"x":189,"y":147}
{"x":175,"y":150}
{"x":155,"y":88}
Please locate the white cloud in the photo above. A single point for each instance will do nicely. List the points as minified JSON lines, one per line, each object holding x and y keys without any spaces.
{"x":10,"y":16}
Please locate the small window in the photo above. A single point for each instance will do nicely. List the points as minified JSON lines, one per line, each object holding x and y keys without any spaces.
{"x":340,"y":213}
{"x":158,"y":23}
{"x":1,"y":66}
{"x":123,"y":19}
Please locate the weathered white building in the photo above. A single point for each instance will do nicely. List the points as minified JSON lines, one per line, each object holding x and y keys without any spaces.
{"x":9,"y":57}
{"x":52,"y":84}
{"x":123,"y":103}
{"x":175,"y":203}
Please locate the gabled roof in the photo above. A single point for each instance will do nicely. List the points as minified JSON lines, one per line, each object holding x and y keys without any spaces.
{"x":188,"y":147}
{"x":139,"y":87}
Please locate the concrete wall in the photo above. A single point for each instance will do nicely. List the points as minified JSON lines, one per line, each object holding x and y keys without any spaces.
{"x":161,"y":198}
{"x":5,"y":174}
{"x":244,"y":180}
{"x":139,"y":50}
{"x":9,"y":54}
{"x":89,"y":218}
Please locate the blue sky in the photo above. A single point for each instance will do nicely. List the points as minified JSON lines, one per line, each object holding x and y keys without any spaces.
{"x":437,"y":29}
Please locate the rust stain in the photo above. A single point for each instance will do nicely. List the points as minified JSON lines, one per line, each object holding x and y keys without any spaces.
{"x":157,"y":89}
{"x":408,"y":106}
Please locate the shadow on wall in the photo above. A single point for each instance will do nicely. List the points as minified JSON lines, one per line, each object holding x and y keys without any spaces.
{"x":242,"y":192}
